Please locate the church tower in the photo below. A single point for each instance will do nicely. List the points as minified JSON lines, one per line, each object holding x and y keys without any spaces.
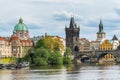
{"x":101,"y":35}
{"x":21,"y":30}
{"x":72,"y":35}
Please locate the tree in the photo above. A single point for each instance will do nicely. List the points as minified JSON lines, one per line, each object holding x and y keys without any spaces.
{"x":41,"y":43}
{"x":55,"y":58}
{"x":48,"y":51}
{"x":58,"y":44}
{"x":68,"y":52}
{"x":67,"y":56}
{"x":49,"y":41}
{"x":42,"y":52}
{"x":40,"y":61}
{"x":54,"y":43}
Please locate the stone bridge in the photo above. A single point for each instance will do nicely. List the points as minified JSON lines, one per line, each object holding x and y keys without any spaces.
{"x":94,"y":56}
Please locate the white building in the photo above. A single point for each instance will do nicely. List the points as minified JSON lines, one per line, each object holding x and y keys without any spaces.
{"x":115,"y":42}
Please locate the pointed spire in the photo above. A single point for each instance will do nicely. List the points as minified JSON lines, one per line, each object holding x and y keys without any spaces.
{"x":100,"y":26}
{"x":114,"y":38}
{"x":72,"y":22}
{"x":20,"y":20}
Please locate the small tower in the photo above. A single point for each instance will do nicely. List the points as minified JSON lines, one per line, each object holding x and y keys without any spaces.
{"x":115,"y":38}
{"x":101,"y":35}
{"x":72,"y":35}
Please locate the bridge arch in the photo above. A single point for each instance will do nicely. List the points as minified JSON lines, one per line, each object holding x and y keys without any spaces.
{"x":84,"y":58}
{"x":106,"y":58}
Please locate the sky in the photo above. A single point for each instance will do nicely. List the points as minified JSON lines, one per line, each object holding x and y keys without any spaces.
{"x":51,"y":16}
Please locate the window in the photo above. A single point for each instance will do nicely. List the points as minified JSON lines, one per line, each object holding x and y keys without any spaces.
{"x":21,"y":35}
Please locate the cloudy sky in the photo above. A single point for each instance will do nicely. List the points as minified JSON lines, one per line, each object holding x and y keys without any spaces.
{"x":51,"y":16}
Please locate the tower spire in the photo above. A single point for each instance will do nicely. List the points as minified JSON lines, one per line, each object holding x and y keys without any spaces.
{"x":100,"y":26}
{"x":101,"y":35}
{"x":72,"y":22}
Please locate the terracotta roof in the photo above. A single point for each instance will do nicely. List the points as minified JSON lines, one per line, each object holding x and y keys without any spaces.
{"x":26,"y":41}
{"x":81,"y":39}
{"x":95,"y":41}
{"x":13,"y":37}
{"x":3,"y":39}
{"x":29,"y":42}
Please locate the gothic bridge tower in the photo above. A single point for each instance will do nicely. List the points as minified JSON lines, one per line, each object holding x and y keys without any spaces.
{"x":72,"y":35}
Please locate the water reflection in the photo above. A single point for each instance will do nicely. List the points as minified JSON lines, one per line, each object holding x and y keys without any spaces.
{"x":68,"y":72}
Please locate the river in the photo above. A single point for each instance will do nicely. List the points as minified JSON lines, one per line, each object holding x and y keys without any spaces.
{"x":72,"y":72}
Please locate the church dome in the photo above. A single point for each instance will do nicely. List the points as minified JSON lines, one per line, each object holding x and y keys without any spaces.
{"x":20,"y":26}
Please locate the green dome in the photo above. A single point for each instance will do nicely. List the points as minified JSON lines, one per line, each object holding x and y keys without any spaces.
{"x":20,"y":26}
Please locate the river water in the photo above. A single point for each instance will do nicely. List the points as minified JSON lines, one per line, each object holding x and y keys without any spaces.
{"x":72,"y":72}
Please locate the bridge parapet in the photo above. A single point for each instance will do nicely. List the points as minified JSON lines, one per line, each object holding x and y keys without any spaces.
{"x":94,"y":56}
{"x":97,"y":53}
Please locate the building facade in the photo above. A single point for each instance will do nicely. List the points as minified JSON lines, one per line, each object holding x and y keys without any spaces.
{"x":20,"y":40}
{"x":18,"y":44}
{"x":35,"y":39}
{"x":106,"y":45}
{"x":115,"y":42}
{"x":84,"y":44}
{"x":95,"y":45}
{"x":5,"y":48}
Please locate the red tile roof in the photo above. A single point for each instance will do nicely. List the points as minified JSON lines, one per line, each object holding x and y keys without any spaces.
{"x":95,"y":41}
{"x":3,"y":39}
{"x":26,"y":41}
{"x":14,"y":37}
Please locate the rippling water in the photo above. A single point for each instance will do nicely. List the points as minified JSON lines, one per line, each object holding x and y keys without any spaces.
{"x":78,"y":72}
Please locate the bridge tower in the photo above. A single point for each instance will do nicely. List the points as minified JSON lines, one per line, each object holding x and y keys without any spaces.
{"x":101,"y":35}
{"x":72,"y":35}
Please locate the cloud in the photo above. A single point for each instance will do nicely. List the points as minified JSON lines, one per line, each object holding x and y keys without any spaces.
{"x":117,"y":10}
{"x":65,"y":16}
{"x":50,"y":16}
{"x":62,"y":1}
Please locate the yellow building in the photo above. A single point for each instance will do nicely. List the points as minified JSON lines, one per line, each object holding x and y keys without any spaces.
{"x":106,"y":45}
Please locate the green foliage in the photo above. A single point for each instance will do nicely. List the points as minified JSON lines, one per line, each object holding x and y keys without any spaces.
{"x":41,"y":56}
{"x":55,"y":58}
{"x":67,"y":52}
{"x":40,"y":61}
{"x":47,"y":51}
{"x":42,"y":53}
{"x":67,"y":56}
{"x":67,"y":60}
{"x":25,"y":58}
{"x":41,"y":43}
{"x":53,"y":43}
